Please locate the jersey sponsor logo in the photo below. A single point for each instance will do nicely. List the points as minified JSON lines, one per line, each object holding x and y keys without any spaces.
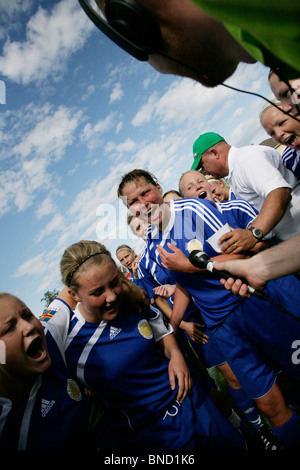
{"x":47,"y":314}
{"x":145,"y":329}
{"x":113,"y":332}
{"x":73,"y":390}
{"x":46,"y":406}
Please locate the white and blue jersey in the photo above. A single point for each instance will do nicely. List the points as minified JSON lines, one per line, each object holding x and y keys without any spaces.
{"x":121,"y":361}
{"x":192,"y":219}
{"x":54,"y":416}
{"x":291,"y":159}
{"x":200,"y":219}
{"x":153,"y":275}
{"x":103,"y":356}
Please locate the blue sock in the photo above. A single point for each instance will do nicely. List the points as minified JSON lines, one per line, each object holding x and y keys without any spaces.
{"x":247,"y":406}
{"x":289,"y":433}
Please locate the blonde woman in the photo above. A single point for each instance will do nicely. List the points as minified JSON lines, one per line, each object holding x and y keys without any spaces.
{"x":133,"y":362}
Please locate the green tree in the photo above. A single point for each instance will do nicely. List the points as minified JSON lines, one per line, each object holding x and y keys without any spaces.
{"x":49,"y":296}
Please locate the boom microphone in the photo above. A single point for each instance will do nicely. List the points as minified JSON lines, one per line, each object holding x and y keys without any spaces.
{"x":201,"y":260}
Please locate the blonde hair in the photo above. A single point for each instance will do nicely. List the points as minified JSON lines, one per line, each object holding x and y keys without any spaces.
{"x":83,"y":252}
{"x":267,"y":106}
{"x":212,"y":179}
{"x":123,"y":247}
{"x":185,"y":173}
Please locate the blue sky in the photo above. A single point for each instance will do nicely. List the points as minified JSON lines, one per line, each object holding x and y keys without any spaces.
{"x":76,"y":114}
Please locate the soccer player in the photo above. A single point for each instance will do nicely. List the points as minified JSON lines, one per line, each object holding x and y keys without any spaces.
{"x":249,"y":331}
{"x":114,"y":350}
{"x":41,"y":406}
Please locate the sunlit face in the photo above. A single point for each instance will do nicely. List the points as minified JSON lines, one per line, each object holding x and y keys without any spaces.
{"x":212,"y":164}
{"x":282,"y":128}
{"x":22,"y":334}
{"x":219,"y":191}
{"x":145,"y":201}
{"x":100,"y":291}
{"x":194,"y":184}
{"x":139,"y":227}
{"x":290,"y":99}
{"x":126,"y":258}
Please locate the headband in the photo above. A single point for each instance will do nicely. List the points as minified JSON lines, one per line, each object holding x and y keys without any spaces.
{"x":69,"y":277}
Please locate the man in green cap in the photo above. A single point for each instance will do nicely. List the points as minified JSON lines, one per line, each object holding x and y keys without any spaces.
{"x":255,"y":173}
{"x":203,"y":143}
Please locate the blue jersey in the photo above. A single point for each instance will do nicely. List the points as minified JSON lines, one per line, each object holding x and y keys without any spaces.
{"x":152,"y":275}
{"x":120,"y":360}
{"x":54,"y":416}
{"x":291,"y":159}
{"x":206,"y":222}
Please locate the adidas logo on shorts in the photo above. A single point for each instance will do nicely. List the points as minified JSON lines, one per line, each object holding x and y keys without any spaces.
{"x":46,"y":406}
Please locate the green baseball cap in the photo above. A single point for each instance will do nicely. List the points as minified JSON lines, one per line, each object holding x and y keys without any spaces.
{"x":203,"y":143}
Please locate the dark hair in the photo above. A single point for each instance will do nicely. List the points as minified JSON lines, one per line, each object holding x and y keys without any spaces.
{"x":135,"y":175}
{"x":172,"y":191}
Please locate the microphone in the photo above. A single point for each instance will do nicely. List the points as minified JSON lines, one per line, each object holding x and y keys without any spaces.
{"x":201,"y":260}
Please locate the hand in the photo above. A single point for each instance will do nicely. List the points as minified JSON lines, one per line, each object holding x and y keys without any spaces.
{"x":243,"y":269}
{"x":179,"y":369}
{"x":176,"y":261}
{"x":194,"y":332}
{"x":236,"y":286}
{"x":237,"y":240}
{"x":166,"y":291}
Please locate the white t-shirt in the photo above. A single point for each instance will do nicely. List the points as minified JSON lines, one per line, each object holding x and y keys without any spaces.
{"x":255,"y":171}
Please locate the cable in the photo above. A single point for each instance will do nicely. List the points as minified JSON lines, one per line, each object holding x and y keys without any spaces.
{"x":262,"y":97}
{"x":232,"y":87}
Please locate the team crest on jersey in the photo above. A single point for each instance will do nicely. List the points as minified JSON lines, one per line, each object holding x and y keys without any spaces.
{"x":194,"y":245}
{"x":47,"y":314}
{"x":73,"y":390}
{"x":145,"y":329}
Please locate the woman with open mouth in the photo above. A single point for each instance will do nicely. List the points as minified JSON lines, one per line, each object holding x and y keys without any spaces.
{"x":284,"y":130}
{"x":41,"y":406}
{"x":248,"y":331}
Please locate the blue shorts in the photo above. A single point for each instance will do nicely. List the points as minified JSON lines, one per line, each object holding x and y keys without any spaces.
{"x":210,"y":353}
{"x":257,"y":337}
{"x":196,"y":424}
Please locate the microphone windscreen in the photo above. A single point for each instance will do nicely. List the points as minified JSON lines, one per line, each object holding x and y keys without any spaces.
{"x":194,"y":245}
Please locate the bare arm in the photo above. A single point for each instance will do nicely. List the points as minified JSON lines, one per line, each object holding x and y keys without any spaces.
{"x":272,"y":211}
{"x":280,"y":260}
{"x":177,"y":367}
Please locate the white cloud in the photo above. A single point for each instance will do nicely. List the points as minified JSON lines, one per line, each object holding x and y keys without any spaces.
{"x":56,"y":224}
{"x":116,"y":94}
{"x":51,"y":135}
{"x":91,"y":134}
{"x":33,"y":266}
{"x":51,"y":38}
{"x":46,"y":207}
